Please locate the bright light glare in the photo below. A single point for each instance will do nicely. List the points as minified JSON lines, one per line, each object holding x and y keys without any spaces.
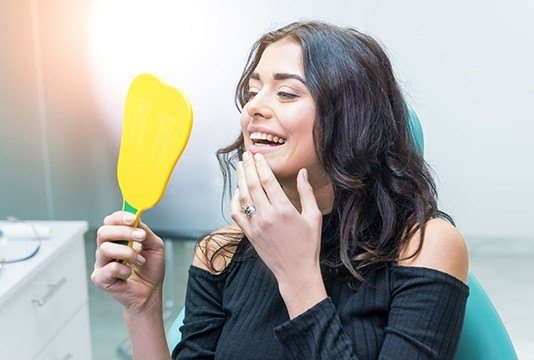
{"x":127,"y":38}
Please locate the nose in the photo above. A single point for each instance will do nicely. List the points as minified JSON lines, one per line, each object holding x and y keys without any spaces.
{"x":259,"y":106}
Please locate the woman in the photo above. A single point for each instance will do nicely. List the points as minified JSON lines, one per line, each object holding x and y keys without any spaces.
{"x":338,"y":250}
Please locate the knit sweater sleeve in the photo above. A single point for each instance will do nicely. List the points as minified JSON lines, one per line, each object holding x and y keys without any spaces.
{"x":204,"y":316}
{"x":426,"y":314}
{"x":425,"y":321}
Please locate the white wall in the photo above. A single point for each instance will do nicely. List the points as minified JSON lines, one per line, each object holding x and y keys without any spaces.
{"x":467,"y":68}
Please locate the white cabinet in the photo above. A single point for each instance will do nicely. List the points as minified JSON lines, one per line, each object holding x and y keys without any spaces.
{"x":43,"y":301}
{"x":66,"y":344}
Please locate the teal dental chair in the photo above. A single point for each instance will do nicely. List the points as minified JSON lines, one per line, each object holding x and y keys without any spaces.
{"x":483,"y":337}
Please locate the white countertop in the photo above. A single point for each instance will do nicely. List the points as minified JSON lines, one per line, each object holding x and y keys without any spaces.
{"x":13,"y":276}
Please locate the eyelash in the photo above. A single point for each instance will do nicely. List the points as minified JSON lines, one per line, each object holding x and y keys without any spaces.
{"x":286,"y":95}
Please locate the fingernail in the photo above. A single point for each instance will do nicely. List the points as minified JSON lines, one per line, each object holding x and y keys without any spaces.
{"x":305,"y":174}
{"x":246,"y":156}
{"x":257,"y":156}
{"x":141,"y":259}
{"x":138,"y":234}
{"x":129,"y":217}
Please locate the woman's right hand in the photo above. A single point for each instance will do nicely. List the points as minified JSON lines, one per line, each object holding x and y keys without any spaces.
{"x":138,"y":285}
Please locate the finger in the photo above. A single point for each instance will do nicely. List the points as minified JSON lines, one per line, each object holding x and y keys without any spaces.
{"x":144,"y":227}
{"x":152,"y":241}
{"x":106,"y":276}
{"x":269,"y":182}
{"x":118,"y":233}
{"x":109,"y":251}
{"x":308,"y":201}
{"x":244,"y":196}
{"x":255,"y":190}
{"x":237,"y":214}
{"x":120,"y":218}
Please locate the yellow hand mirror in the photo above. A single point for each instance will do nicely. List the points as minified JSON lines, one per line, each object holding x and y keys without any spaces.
{"x":156,"y":126}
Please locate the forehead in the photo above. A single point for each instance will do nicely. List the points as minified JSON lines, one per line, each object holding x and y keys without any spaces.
{"x":282,"y":56}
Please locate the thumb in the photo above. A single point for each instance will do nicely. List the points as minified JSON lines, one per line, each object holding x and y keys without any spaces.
{"x":151,"y":240}
{"x":307,"y":197}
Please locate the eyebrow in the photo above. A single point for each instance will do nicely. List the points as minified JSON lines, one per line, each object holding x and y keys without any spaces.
{"x":279,"y":76}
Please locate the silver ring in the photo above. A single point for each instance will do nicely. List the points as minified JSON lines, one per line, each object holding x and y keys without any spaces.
{"x":248,"y":210}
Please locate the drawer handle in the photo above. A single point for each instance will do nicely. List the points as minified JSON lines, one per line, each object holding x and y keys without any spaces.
{"x":52,"y":289}
{"x":66,"y":357}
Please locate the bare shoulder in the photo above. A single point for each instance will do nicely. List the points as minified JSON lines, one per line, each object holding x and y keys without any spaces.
{"x":444,"y":249}
{"x":210,"y":244}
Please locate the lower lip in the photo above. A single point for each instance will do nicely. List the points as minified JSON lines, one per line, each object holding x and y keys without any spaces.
{"x":264,"y":149}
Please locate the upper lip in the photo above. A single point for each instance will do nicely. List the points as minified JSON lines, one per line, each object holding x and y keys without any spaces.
{"x":263,"y":129}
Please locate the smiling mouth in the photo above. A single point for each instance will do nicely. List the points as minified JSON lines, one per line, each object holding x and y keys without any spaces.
{"x":265,"y":143}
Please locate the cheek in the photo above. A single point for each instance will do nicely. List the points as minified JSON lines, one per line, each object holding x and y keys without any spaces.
{"x":303,"y":151}
{"x":299,"y":153}
{"x":302,"y":135}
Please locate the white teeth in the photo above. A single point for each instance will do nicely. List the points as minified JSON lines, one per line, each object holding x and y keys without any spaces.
{"x":269,"y":137}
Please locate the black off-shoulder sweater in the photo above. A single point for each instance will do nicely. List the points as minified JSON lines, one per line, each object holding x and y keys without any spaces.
{"x":403,"y":312}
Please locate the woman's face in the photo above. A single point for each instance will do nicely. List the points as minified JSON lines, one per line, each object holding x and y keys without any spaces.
{"x":285,"y":107}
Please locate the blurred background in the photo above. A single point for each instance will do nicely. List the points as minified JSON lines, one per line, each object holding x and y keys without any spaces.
{"x":467,"y":69}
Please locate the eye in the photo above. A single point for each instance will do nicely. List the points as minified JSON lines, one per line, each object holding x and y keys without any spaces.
{"x":286,"y":95}
{"x":250,"y":94}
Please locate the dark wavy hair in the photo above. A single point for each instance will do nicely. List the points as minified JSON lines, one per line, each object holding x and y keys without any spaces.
{"x":383,"y":189}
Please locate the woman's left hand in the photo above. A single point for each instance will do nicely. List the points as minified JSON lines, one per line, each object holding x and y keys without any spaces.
{"x":287,"y":241}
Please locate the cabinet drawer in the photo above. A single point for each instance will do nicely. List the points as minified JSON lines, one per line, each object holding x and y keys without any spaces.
{"x":35,"y":313}
{"x":73,"y":342}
